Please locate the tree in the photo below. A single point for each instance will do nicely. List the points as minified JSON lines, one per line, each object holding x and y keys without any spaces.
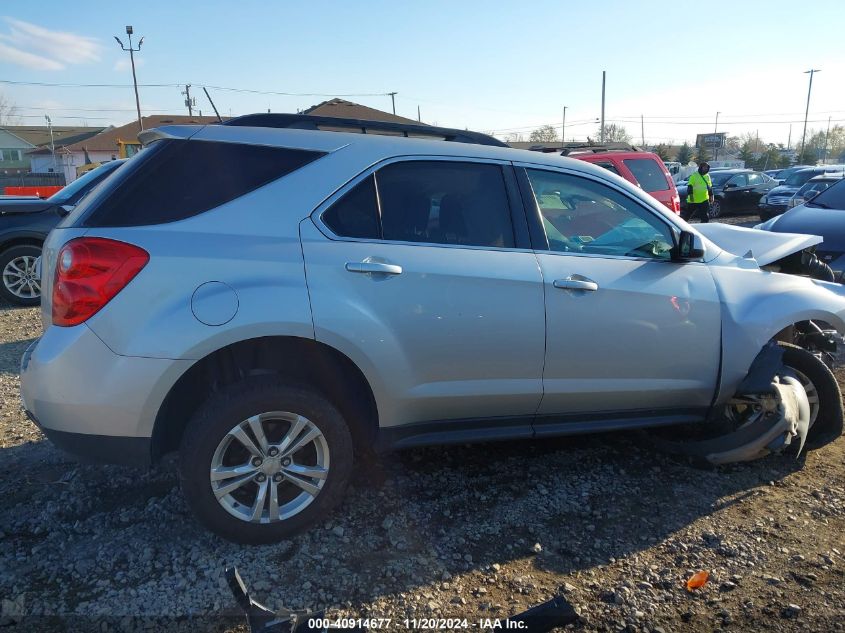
{"x":614,"y":134}
{"x":685,"y":154}
{"x":702,"y":155}
{"x":8,"y":112}
{"x":784,"y":161}
{"x":544,"y":134}
{"x":746,"y":154}
{"x":662,"y":151}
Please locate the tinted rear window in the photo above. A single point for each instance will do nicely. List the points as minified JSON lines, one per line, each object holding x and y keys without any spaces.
{"x":647,"y":173}
{"x":175,"y":179}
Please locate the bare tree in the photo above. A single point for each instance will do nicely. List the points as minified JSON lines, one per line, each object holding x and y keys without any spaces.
{"x":544,"y":134}
{"x":8,"y":112}
{"x":614,"y":134}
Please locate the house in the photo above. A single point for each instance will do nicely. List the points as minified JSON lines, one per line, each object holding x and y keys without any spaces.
{"x":13,"y":150}
{"x":17,"y":143}
{"x":111,"y":143}
{"x":348,"y":110}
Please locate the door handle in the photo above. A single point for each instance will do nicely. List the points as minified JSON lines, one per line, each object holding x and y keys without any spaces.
{"x":373,"y":267}
{"x":576,"y":284}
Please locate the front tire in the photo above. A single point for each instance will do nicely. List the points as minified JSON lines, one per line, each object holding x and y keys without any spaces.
{"x":715,"y":209}
{"x":262,"y":460}
{"x":826,"y":415}
{"x":18,"y":283}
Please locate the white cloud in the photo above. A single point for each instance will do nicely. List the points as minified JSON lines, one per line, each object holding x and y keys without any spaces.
{"x":27,"y":60}
{"x":38,"y":48}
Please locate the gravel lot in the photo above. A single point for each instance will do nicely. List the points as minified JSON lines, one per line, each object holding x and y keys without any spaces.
{"x":461,"y":532}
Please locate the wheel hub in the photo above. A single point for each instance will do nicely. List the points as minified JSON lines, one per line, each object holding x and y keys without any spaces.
{"x":269,"y":467}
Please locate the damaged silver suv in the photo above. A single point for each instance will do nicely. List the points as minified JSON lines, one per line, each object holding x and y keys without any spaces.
{"x":274,"y":297}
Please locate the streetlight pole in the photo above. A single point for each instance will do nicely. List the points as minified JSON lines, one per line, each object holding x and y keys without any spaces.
{"x":563,"y":129}
{"x":601,"y":131}
{"x":715,"y":139}
{"x":132,"y":52}
{"x":811,"y":72}
{"x":393,"y":100}
{"x":52,"y":143}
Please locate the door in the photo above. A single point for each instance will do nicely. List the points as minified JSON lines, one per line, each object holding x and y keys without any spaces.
{"x":735,"y":193}
{"x":419,"y":275}
{"x":628,"y":330}
{"x":757,"y":187}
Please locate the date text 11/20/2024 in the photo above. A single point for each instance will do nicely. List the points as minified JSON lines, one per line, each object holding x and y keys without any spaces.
{"x":441,"y":624}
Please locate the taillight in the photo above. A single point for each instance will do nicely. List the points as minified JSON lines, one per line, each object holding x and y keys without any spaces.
{"x":90,"y":271}
{"x":675,"y":205}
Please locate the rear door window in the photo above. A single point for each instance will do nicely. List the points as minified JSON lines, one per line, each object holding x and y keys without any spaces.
{"x":754,"y":180}
{"x":445,"y":202}
{"x":176,"y":179}
{"x":356,"y":213}
{"x":648,"y":174}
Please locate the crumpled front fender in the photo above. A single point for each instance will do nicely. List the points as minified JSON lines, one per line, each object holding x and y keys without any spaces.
{"x":757,"y":304}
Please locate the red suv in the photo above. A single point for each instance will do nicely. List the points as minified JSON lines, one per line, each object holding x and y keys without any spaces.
{"x":644,"y":169}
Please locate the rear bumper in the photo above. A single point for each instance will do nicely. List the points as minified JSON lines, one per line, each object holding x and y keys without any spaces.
{"x":93,"y":402}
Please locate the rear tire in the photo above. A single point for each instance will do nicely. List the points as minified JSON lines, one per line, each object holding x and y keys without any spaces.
{"x":18,"y":285}
{"x":211,"y":441}
{"x":828,"y":424}
{"x":715,"y":210}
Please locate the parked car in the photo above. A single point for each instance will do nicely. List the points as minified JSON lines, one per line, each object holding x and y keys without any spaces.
{"x":776,"y":201}
{"x":783,"y":174}
{"x":734,"y":190}
{"x":813,"y":187}
{"x":273,"y":303}
{"x":644,"y":169}
{"x":24,"y":225}
{"x":822,"y":215}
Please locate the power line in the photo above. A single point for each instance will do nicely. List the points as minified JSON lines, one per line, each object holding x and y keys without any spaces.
{"x":181,"y":85}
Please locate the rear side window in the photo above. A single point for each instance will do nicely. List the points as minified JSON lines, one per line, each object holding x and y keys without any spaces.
{"x":175,"y":179}
{"x":648,"y":174}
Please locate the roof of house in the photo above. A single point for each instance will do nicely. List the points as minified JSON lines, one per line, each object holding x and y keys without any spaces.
{"x":348,"y":110}
{"x":106,"y":140}
{"x":39,"y":135}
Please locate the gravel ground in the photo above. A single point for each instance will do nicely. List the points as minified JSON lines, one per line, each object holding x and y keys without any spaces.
{"x":459,"y":532}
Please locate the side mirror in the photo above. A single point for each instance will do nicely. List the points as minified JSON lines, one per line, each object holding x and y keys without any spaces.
{"x":730,"y":185}
{"x":689,"y":248}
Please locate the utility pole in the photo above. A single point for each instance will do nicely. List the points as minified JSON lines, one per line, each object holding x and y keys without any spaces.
{"x":789,"y":139}
{"x":419,"y":116}
{"x":563,"y":128}
{"x":132,"y":52}
{"x":190,"y":103}
{"x":716,"y":140}
{"x":52,"y":144}
{"x":811,"y":72}
{"x":393,"y":100}
{"x":601,"y":133}
{"x":825,"y":140}
{"x":642,"y":128}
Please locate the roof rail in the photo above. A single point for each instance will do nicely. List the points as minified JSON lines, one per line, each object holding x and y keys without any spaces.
{"x":598,"y":149}
{"x":336,"y":124}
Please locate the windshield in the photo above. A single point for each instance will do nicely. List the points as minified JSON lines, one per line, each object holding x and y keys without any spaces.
{"x":832,"y":198}
{"x":800,"y":177}
{"x":83,"y":183}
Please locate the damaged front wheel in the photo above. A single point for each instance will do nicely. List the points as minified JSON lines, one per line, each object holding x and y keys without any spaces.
{"x":822,"y":391}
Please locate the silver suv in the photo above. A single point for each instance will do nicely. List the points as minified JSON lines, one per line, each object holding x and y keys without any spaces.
{"x":273,"y":302}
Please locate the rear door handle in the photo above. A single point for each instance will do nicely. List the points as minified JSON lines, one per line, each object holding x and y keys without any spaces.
{"x":576,"y":284}
{"x":373,"y":267}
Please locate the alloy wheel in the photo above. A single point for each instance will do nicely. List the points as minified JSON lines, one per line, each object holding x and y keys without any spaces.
{"x":20,"y":279}
{"x":269,"y":467}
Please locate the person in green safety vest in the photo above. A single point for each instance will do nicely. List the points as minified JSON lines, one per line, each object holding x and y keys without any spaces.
{"x":700,"y":193}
